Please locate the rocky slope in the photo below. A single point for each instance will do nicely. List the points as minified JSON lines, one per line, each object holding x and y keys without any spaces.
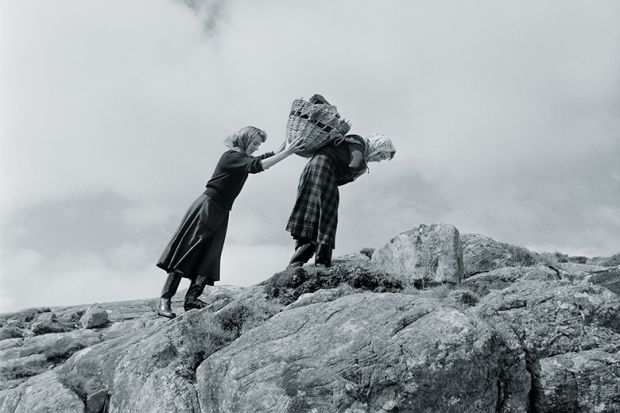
{"x":434,"y":321}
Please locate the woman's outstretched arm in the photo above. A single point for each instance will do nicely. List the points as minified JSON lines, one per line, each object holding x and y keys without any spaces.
{"x":288,"y":150}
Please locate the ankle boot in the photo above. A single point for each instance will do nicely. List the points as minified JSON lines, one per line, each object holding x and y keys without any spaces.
{"x":164,"y":308}
{"x":192,"y":303}
{"x":324,"y":256}
{"x":301,"y":256}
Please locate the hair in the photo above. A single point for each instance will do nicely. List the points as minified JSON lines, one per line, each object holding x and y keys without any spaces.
{"x":244,"y":136}
{"x":252,"y":132}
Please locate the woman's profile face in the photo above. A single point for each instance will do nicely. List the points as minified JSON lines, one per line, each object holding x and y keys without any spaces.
{"x":381,"y":156}
{"x":253,"y":146}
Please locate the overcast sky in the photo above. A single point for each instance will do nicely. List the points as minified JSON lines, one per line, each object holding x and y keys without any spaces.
{"x":506,"y":116}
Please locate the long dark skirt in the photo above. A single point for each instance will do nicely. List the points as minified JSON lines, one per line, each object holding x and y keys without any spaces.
{"x":196,"y":247}
{"x":315,"y":214}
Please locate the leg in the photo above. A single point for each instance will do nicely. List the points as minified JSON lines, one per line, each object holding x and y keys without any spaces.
{"x":170,"y":288}
{"x":195,"y":290}
{"x":303,"y":252}
{"x":324,"y":255}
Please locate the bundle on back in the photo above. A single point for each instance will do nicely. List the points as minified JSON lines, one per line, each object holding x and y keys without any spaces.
{"x":317,"y":122}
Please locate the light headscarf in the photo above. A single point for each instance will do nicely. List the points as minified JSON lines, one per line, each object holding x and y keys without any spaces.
{"x":378,"y":143}
{"x":244,"y":137}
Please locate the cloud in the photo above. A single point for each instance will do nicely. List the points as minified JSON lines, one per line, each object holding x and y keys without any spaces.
{"x":210,"y":12}
{"x":505,"y":116}
{"x":124,"y":273}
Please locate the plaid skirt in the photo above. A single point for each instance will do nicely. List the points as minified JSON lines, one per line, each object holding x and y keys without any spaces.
{"x":315,"y":214}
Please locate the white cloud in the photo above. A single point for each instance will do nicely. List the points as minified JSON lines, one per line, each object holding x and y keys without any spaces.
{"x":125,"y":273}
{"x":504,"y":114}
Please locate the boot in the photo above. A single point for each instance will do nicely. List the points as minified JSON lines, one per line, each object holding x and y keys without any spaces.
{"x":192,"y":303}
{"x":323,"y":256}
{"x":164,"y":308}
{"x":301,"y":256}
{"x":194,"y":291}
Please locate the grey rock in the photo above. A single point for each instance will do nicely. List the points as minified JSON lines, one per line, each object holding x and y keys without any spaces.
{"x":612,"y":261}
{"x":40,"y":353}
{"x":10,"y":384}
{"x":427,"y":253}
{"x":10,"y":332}
{"x":576,"y":271}
{"x":96,"y":402}
{"x":331,"y":339}
{"x":356,"y":256}
{"x":10,"y":343}
{"x":501,"y":278}
{"x":41,"y":394}
{"x":50,"y":316}
{"x":22,"y":367}
{"x":72,"y":316}
{"x":23,"y":316}
{"x":322,"y":296}
{"x":361,"y":352}
{"x":482,"y":254}
{"x":130,"y":327}
{"x":555,"y":317}
{"x":368,"y":252}
{"x":463,"y":297}
{"x":586,"y":381}
{"x":94,"y":317}
{"x":48,"y":326}
{"x":550,"y":319}
{"x":152,"y":370}
{"x":59,"y":346}
{"x":609,"y":278}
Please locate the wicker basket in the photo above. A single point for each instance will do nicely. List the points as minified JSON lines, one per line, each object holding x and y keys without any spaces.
{"x":317,"y":124}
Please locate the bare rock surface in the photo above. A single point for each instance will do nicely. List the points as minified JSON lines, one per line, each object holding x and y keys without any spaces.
{"x":612,"y":261}
{"x":94,"y":317}
{"x":362,"y":352}
{"x":427,"y":253}
{"x":11,"y":332}
{"x":585,"y":381}
{"x":37,"y":354}
{"x":608,"y":277}
{"x":501,"y":278}
{"x":41,"y":394}
{"x":556,"y":323}
{"x":556,"y":317}
{"x":482,"y":254}
{"x":518,"y":336}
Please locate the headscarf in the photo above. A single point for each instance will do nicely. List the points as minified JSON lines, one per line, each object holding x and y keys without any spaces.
{"x":378,"y":143}
{"x":244,"y":137}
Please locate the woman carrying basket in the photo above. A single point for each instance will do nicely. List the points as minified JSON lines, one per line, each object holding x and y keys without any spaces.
{"x":195,"y":249}
{"x":314,"y":218}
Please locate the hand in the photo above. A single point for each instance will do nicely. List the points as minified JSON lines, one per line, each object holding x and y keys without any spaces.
{"x":294,"y":146}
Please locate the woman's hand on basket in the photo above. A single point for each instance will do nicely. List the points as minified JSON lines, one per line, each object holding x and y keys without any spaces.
{"x":294,"y":146}
{"x":289,"y":149}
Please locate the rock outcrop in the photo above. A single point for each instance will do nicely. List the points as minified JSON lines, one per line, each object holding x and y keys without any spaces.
{"x":482,"y":254}
{"x":362,"y":352}
{"x":377,"y":332}
{"x":431,"y":254}
{"x":94,"y":317}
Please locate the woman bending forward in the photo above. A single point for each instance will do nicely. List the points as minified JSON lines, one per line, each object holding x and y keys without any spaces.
{"x":314,"y":218}
{"x":195,"y":249}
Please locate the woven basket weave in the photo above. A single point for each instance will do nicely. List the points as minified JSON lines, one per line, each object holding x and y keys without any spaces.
{"x":317,"y":124}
